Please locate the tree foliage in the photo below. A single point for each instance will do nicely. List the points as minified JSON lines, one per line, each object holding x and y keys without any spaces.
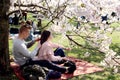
{"x":65,"y":17}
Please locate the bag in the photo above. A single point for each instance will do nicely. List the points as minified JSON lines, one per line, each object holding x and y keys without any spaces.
{"x":33,"y":72}
{"x":53,"y":75}
{"x":71,"y":66}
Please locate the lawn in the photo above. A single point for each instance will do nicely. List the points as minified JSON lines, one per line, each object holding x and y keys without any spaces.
{"x":78,"y":52}
{"x":94,"y":58}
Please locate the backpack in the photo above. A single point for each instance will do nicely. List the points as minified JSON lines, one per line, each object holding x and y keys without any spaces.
{"x":53,"y":75}
{"x":33,"y":72}
{"x":71,"y":66}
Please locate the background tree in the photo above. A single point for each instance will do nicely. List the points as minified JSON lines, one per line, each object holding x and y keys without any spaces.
{"x":62,"y":15}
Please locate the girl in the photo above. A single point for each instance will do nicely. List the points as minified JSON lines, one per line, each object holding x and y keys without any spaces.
{"x":46,"y":50}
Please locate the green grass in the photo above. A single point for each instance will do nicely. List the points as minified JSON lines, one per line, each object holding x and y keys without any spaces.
{"x":115,"y":37}
{"x":94,"y":58}
{"x":78,"y":52}
{"x":115,"y":25}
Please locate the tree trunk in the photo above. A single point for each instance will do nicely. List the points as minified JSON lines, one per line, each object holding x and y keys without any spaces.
{"x":4,"y":32}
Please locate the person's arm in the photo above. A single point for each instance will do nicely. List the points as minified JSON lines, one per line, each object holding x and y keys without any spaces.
{"x":24,"y":51}
{"x":55,"y":58}
{"x":54,"y":45}
{"x":51,"y":56}
{"x":31,"y":43}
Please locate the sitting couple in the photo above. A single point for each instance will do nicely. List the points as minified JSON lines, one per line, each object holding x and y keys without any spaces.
{"x":42,"y":55}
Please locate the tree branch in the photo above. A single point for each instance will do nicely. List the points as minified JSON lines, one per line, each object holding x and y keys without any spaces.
{"x":68,"y":36}
{"x":58,"y":14}
{"x":23,"y":11}
{"x":30,"y":5}
{"x":48,"y":7}
{"x":116,"y":60}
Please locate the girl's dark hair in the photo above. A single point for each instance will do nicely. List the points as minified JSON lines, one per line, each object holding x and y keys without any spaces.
{"x":44,"y":37}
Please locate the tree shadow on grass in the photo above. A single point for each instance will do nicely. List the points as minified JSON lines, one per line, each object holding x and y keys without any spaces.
{"x":115,"y":47}
{"x":93,"y":57}
{"x":96,"y":57}
{"x":107,"y":74}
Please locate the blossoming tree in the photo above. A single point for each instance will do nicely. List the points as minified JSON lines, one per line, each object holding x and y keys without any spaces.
{"x":69,"y":17}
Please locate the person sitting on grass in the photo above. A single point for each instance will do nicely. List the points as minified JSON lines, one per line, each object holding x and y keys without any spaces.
{"x":24,"y":57}
{"x":46,"y":50}
{"x":58,"y":56}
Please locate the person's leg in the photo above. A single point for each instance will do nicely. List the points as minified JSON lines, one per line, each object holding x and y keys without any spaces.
{"x":59,"y":62}
{"x":49,"y":65}
{"x":59,"y":52}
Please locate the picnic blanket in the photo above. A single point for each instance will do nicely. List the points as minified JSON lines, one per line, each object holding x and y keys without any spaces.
{"x":83,"y":67}
{"x":17,"y":71}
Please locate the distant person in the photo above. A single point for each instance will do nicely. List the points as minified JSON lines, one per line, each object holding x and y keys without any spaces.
{"x":113,"y":14}
{"x":104,"y":18}
{"x":22,"y":23}
{"x":15,"y":19}
{"x":24,"y":14}
{"x":78,"y":24}
{"x":83,"y":17}
{"x":39,"y":24}
{"x":10,"y":20}
{"x":34,"y":26}
{"x":31,"y":36}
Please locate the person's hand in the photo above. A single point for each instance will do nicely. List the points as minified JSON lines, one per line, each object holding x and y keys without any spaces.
{"x":68,"y":49}
{"x":64,"y":58}
{"x":37,"y":39}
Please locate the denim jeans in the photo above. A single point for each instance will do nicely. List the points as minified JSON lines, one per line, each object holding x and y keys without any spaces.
{"x":47,"y":64}
{"x":59,"y":52}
